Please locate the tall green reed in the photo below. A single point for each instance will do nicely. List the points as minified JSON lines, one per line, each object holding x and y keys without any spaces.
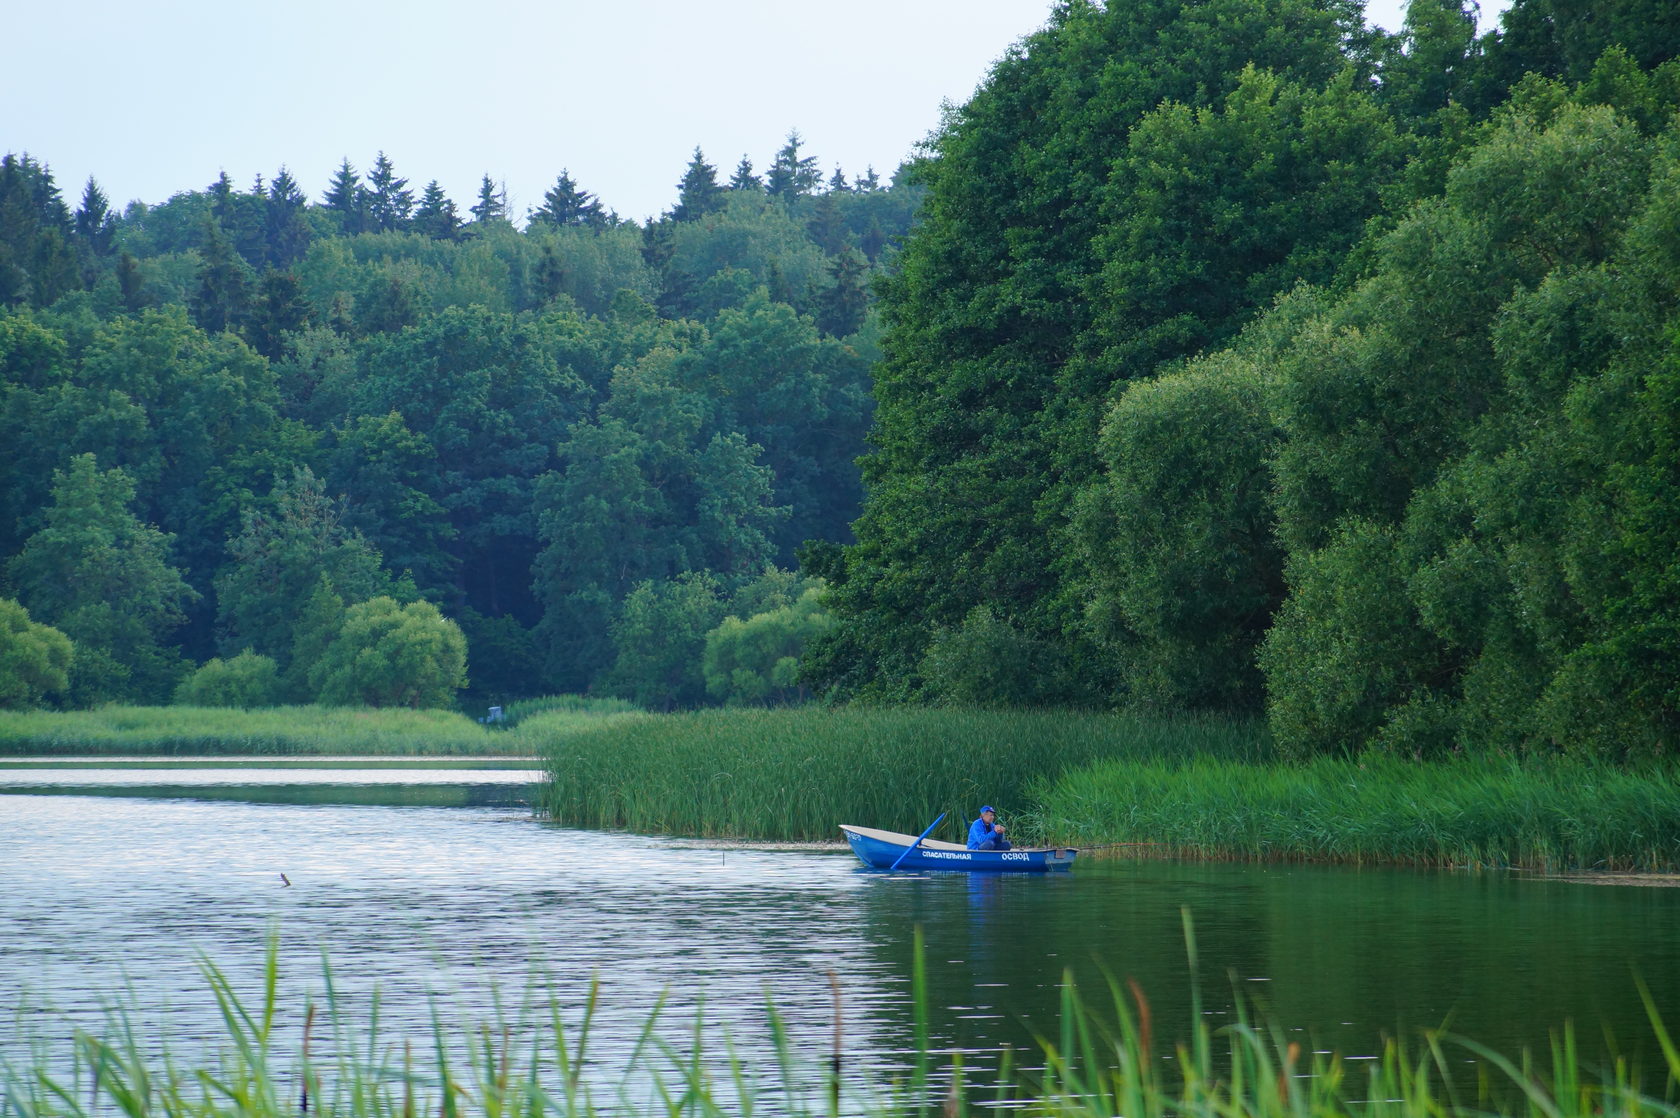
{"x":797,"y":773}
{"x":1551,"y":813}
{"x":1101,"y":1062}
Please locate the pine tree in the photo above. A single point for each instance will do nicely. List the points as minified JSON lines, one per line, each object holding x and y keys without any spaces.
{"x":842,"y":306}
{"x":792,"y":175}
{"x":699,"y":193}
{"x":37,"y":260}
{"x":347,"y":200}
{"x":96,"y":226}
{"x":220,"y":301}
{"x":567,"y":206}
{"x":436,"y":217}
{"x":837,"y":182}
{"x":744,"y":179}
{"x":492,"y":202}
{"x":868,"y":182}
{"x":827,"y":227}
{"x":286,"y":229}
{"x":280,"y":308}
{"x":390,"y":202}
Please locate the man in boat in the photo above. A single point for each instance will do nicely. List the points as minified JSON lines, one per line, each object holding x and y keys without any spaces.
{"x":986,"y":833}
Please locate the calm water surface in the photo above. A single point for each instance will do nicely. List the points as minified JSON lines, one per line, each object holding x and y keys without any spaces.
{"x":469,"y":909}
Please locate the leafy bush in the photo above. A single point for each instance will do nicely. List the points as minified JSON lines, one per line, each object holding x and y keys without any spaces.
{"x":247,"y":680}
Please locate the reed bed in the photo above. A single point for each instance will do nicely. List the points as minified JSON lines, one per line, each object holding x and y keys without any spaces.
{"x":583,"y":706}
{"x":794,"y":774}
{"x":1540,"y":813}
{"x":1099,"y":1064}
{"x":200,"y":731}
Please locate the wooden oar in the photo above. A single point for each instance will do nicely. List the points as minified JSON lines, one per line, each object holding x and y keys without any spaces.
{"x":918,"y":841}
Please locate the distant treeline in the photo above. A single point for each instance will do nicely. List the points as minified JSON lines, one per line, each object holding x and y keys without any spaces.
{"x":1245,"y":358}
{"x":241,"y":425}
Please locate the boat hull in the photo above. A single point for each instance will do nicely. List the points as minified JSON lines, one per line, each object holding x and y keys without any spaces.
{"x":882,"y":850}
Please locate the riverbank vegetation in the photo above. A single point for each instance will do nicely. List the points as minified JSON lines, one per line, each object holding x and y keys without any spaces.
{"x":542,"y":1060}
{"x":797,"y":773}
{"x":1546,"y":814}
{"x":210,"y":731}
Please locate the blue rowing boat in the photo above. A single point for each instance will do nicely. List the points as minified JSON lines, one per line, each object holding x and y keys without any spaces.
{"x":886,"y":849}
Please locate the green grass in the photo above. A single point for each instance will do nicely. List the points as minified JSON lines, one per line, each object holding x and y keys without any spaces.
{"x":1099,"y":1063}
{"x":299,"y":730}
{"x":198,"y":731}
{"x":795,"y":774}
{"x":1550,"y":814}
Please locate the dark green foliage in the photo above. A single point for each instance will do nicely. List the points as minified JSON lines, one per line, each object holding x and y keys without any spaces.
{"x":567,"y":205}
{"x":104,"y":578}
{"x":1003,"y":346}
{"x":346,"y":201}
{"x":435,"y":216}
{"x":1470,"y":567}
{"x":424,"y":374}
{"x":37,"y":262}
{"x":791,"y":174}
{"x":389,"y":201}
{"x":278,"y":559}
{"x":659,"y":636}
{"x":698,"y":194}
{"x":286,"y":227}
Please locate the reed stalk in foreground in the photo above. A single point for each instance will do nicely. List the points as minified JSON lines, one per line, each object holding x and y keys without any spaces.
{"x":1095,"y":1067}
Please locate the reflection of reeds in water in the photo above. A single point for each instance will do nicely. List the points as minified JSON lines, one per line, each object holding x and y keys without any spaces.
{"x":797,"y":773}
{"x":1096,"y":1067}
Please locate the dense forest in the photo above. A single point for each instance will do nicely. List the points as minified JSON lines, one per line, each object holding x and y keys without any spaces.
{"x":543,"y":452}
{"x":1218,"y":356}
{"x":1244,"y":359}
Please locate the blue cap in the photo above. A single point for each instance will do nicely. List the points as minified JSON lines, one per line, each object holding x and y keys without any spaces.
{"x":987,"y":808}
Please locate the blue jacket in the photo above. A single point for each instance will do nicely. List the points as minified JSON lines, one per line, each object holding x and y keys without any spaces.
{"x":983,"y":836}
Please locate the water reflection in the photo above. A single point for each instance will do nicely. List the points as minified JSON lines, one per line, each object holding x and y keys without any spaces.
{"x":481,"y":906}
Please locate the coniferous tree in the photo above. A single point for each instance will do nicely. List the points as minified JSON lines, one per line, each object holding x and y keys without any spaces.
{"x":347,"y":200}
{"x":220,"y":300}
{"x":37,"y":263}
{"x":280,"y":308}
{"x":390,"y":202}
{"x":96,"y":226}
{"x":287,"y":230}
{"x":435,"y":216}
{"x":791,"y":174}
{"x":492,"y":202}
{"x":744,"y":179}
{"x":841,"y":307}
{"x":566,"y":205}
{"x":698,"y":193}
{"x":827,"y":226}
{"x":837,"y":182}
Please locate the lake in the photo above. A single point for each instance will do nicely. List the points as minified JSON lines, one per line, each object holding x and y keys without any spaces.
{"x":116,"y":880}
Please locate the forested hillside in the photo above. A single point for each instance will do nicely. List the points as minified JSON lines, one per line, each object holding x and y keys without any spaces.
{"x":1218,"y":356}
{"x":241,"y":423}
{"x":1244,"y":359}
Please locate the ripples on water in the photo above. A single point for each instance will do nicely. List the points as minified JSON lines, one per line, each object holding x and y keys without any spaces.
{"x":471,"y":910}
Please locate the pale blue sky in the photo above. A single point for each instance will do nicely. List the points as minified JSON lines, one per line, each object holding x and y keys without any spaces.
{"x":161,"y":97}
